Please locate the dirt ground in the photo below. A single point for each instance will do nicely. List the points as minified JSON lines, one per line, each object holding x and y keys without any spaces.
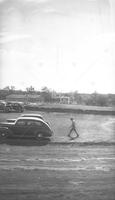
{"x":55,"y":170}
{"x":91,"y":128}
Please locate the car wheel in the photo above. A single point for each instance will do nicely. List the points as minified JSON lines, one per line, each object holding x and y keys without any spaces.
{"x":7,"y":109}
{"x":3,"y":134}
{"x":21,"y":110}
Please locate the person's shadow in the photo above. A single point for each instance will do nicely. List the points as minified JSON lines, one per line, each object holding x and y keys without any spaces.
{"x":26,"y":142}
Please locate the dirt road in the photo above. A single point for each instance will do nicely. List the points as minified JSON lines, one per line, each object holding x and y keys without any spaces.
{"x":61,"y":170}
{"x":57,"y":172}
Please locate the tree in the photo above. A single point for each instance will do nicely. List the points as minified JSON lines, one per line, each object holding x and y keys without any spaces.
{"x":7,"y":88}
{"x":46,"y":94}
{"x":12,"y":87}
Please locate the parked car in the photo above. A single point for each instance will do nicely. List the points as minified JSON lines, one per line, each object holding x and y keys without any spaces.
{"x":11,"y":106}
{"x":4,"y":107}
{"x":15,"y":106}
{"x":25,"y":127}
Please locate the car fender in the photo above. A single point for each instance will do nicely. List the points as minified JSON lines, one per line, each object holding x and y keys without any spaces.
{"x":6,"y":129}
{"x":36,"y":131}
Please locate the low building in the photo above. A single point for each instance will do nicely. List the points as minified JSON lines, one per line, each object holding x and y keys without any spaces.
{"x":61,"y":99}
{"x":65,"y":100}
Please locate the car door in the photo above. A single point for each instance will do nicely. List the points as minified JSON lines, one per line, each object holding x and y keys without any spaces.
{"x":39,"y":127}
{"x":33,"y":126}
{"x":20,"y":128}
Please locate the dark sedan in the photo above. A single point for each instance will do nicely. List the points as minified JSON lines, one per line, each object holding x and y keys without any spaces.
{"x":26,"y":127}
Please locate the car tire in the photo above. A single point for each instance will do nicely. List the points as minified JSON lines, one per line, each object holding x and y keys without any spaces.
{"x":21,"y":111}
{"x":3,"y":134}
{"x":7,"y":109}
{"x":18,"y":110}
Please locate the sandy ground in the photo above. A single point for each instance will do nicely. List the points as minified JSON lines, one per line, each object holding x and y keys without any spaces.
{"x":57,"y":172}
{"x":61,"y":169}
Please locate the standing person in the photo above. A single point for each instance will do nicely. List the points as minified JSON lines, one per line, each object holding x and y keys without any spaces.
{"x":73,"y":129}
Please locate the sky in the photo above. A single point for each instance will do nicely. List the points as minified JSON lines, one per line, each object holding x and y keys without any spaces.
{"x":66,"y":45}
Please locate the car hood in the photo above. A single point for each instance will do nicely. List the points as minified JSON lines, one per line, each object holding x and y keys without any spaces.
{"x":6,"y":124}
{"x":11,"y":120}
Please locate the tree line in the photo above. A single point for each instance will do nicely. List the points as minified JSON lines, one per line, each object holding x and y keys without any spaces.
{"x":51,"y":96}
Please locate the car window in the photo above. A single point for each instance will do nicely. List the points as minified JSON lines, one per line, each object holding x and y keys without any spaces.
{"x":29,"y":123}
{"x":38,"y":123}
{"x":21,"y":122}
{"x":32,"y":122}
{"x":14,"y":104}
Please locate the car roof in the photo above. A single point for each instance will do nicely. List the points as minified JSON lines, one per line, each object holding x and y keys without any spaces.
{"x":30,"y":118}
{"x":31,"y":115}
{"x":15,"y":102}
{"x":33,"y":118}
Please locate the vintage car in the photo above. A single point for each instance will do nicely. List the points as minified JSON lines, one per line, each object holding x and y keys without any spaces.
{"x":11,"y":107}
{"x":15,"y":106}
{"x":25,"y":127}
{"x":4,"y":107}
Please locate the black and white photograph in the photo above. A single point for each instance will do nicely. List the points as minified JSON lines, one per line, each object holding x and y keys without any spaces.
{"x":57,"y":99}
